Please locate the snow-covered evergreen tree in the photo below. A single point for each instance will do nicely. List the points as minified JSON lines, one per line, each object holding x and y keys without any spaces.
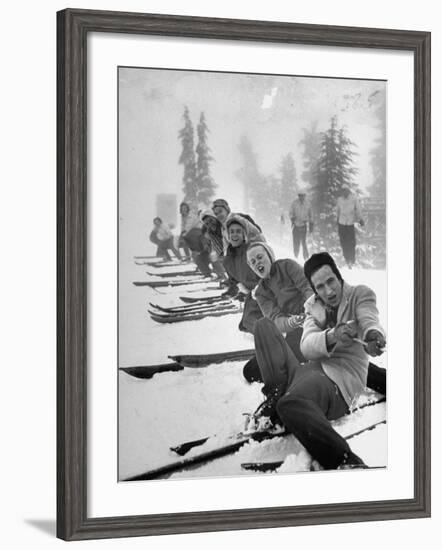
{"x":205,"y":185}
{"x":187,"y":159}
{"x":378,"y":154}
{"x":248,"y":173}
{"x":311,"y":143}
{"x":288,"y":186}
{"x":335,"y":168}
{"x":261,"y":192}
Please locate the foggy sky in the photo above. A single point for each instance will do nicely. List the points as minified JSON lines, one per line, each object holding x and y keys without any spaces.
{"x":270,"y":110}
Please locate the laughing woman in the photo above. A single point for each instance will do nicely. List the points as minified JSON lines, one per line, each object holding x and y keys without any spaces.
{"x":281,"y":294}
{"x":242,"y":280}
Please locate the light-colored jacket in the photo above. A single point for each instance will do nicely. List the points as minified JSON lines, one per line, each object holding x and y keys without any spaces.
{"x":163,"y":232}
{"x":346,"y":366}
{"x":300,"y":213}
{"x":348,"y":210}
{"x":188,"y":222}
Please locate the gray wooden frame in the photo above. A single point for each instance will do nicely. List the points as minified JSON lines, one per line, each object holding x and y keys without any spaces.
{"x":73,"y":27}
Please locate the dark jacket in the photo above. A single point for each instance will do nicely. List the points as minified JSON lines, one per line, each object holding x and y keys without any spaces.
{"x":235,"y":263}
{"x":196,"y":241}
{"x":283,"y":293}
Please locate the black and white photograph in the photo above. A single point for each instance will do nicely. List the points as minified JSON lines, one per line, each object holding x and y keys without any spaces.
{"x":252,"y":274}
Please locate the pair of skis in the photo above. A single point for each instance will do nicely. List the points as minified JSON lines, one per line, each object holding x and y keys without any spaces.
{"x":193,"y":312}
{"x":197,"y":279}
{"x":191,"y":361}
{"x":235,"y":442}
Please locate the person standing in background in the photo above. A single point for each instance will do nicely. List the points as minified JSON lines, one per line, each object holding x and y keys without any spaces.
{"x":301,"y":216}
{"x":348,"y":213}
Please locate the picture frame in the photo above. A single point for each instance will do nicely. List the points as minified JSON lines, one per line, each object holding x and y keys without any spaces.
{"x":73,"y":28}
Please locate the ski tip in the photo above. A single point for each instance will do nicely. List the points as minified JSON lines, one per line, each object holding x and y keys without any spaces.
{"x":262,"y":466}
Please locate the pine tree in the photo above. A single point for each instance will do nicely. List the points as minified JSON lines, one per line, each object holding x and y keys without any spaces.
{"x":378,"y":155}
{"x":288,"y":185}
{"x":187,"y":159}
{"x":248,"y":173}
{"x":260,"y":197}
{"x":335,"y":167}
{"x":204,"y":182}
{"x":311,"y":142}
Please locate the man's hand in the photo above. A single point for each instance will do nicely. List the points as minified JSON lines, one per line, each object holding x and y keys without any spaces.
{"x":344,"y":333}
{"x":375,"y":343}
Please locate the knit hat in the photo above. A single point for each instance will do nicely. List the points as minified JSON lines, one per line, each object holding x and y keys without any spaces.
{"x":223,"y":203}
{"x":235,"y":218}
{"x":207,"y":214}
{"x":315,"y":262}
{"x":266,"y":247}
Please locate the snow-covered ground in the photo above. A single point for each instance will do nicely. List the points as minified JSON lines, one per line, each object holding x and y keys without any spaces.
{"x":174,"y":407}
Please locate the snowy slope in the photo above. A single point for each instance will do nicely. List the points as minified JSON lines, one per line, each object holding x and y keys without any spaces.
{"x":175,"y":407}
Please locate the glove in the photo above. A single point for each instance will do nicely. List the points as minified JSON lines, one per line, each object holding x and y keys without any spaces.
{"x":296,"y":321}
{"x":231,"y":292}
{"x":375,"y":343}
{"x":243,"y":289}
{"x":345,"y":332}
{"x":310,"y":227}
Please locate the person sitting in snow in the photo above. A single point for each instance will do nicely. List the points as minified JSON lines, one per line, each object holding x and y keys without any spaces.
{"x":212,"y":231}
{"x":222,"y":211}
{"x":281,"y":294}
{"x":188,"y":222}
{"x":242,"y":280}
{"x":162,"y":236}
{"x":340,"y":330}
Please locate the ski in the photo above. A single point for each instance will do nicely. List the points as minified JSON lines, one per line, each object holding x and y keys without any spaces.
{"x":183,"y":448}
{"x":178,"y":318}
{"x":190,"y":361}
{"x":213,"y":358}
{"x":175,"y":273}
{"x":264,"y":467}
{"x":192,"y":308}
{"x":193,"y":304}
{"x":208,"y":287}
{"x":155,"y":284}
{"x":184,"y":463}
{"x":176,"y":263}
{"x":148,"y":371}
{"x":272,"y":466}
{"x":210,"y":299}
{"x":231,"y":445}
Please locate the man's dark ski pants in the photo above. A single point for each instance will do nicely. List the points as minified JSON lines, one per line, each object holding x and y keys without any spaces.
{"x":310,"y":399}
